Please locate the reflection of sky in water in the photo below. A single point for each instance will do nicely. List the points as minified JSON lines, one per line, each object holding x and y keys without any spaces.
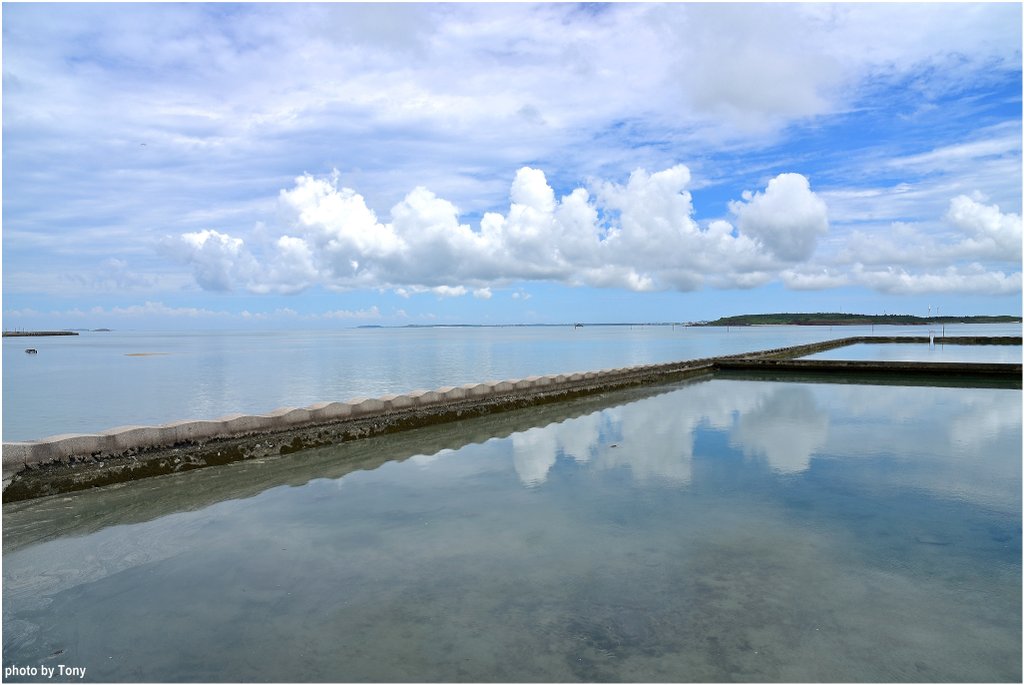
{"x":923,"y":352}
{"x":728,"y":530}
{"x":935,"y":432}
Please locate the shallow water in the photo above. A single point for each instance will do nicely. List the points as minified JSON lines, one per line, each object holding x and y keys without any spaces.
{"x":96,"y":381}
{"x":729,"y":529}
{"x":923,"y":352}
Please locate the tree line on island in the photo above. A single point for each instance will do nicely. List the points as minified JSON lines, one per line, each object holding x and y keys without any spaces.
{"x":841,"y":319}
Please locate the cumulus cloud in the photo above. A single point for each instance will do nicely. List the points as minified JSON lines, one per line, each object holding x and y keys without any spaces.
{"x":656,"y":230}
{"x":974,"y":248}
{"x":990,"y":233}
{"x":293,"y":271}
{"x":969,"y":230}
{"x":787,"y":217}
{"x":640,"y":236}
{"x":218,"y":261}
{"x":449,"y":291}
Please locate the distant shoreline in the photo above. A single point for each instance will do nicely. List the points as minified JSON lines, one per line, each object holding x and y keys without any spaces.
{"x":815,"y":319}
{"x":839,"y":319}
{"x":818,"y":319}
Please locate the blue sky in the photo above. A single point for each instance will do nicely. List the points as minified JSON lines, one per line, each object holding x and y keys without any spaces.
{"x":266,"y":165}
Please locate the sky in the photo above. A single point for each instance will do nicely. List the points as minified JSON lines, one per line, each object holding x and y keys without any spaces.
{"x":334,"y":165}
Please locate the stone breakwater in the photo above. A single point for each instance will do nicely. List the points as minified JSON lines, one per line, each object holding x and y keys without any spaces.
{"x":844,"y":367}
{"x":36,"y":334}
{"x":63,"y":463}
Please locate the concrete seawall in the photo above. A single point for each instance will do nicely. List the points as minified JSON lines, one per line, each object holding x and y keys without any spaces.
{"x":850,"y":367}
{"x":75,"y":461}
{"x":149,"y":498}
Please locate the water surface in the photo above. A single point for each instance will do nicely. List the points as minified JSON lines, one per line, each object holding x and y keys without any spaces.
{"x":730,"y":529}
{"x":96,"y":381}
{"x":924,"y":352}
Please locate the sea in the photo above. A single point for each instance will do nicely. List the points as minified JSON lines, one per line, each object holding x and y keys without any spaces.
{"x":100,"y":380}
{"x":732,"y":528}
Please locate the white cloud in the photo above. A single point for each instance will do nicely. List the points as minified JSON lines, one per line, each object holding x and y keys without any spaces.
{"x":989,"y":158}
{"x":114,"y":275}
{"x":972,"y":248}
{"x":991,"y":234}
{"x":149,"y":309}
{"x":293,"y":269}
{"x":953,"y":156}
{"x":371,"y":313}
{"x":810,"y":278}
{"x":455,"y":96}
{"x":969,"y":231}
{"x":449,"y":291}
{"x":218,"y":260}
{"x":749,"y":66}
{"x":640,"y":236}
{"x":339,"y":223}
{"x":972,"y":279}
{"x":787,"y":218}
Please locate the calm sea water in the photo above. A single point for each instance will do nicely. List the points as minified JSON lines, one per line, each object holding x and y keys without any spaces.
{"x":97,"y":381}
{"x":725,"y":530}
{"x":1001,"y":354}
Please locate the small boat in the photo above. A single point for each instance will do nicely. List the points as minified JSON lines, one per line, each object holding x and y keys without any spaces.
{"x":31,"y":350}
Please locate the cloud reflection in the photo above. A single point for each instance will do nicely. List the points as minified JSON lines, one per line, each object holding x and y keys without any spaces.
{"x":787,"y":425}
{"x":535,"y":451}
{"x":654,"y":438}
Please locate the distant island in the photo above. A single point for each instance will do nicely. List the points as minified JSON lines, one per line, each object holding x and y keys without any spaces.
{"x":837,"y":319}
{"x":66,"y":331}
{"x":816,"y":319}
{"x":29,"y":334}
